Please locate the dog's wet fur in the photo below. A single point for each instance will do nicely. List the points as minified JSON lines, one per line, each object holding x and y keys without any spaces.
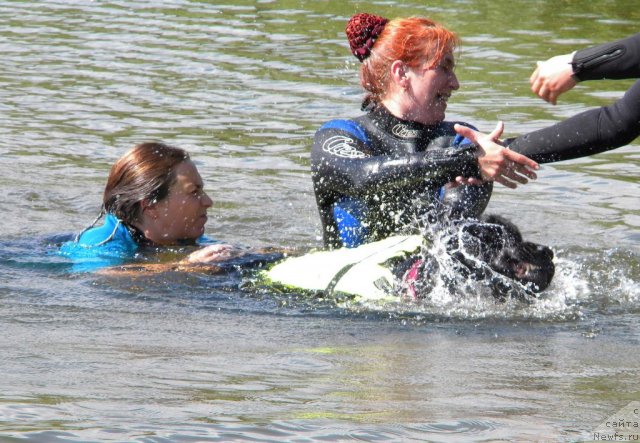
{"x":485,"y":246}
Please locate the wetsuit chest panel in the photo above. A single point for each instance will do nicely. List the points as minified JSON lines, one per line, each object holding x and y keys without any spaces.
{"x":388,"y":169}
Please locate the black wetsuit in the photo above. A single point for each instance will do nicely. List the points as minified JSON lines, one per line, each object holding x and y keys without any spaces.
{"x":596,"y":130}
{"x":383,"y":174}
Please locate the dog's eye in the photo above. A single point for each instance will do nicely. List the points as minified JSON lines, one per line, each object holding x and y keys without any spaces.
{"x":547,"y":253}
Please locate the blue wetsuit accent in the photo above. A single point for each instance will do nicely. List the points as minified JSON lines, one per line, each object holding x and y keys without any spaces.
{"x":107,"y":245}
{"x":349,"y":214}
{"x":350,"y":127}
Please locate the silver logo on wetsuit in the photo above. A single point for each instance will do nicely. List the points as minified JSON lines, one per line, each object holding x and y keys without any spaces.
{"x":402,"y":131}
{"x":342,"y":146}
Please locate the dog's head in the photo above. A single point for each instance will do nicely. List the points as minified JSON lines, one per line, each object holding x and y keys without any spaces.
{"x":482,"y":248}
{"x":526,"y":262}
{"x":498,"y":243}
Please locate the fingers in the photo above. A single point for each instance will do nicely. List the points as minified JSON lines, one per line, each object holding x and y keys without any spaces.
{"x":534,"y":76}
{"x":211,"y":253}
{"x":503,"y":181}
{"x":476,"y":136}
{"x":511,"y":178}
{"x":507,"y":167}
{"x":518,"y":169}
{"x":496,"y":133}
{"x":496,"y":162}
{"x":553,"y":77}
{"x":539,"y":83}
{"x":521,"y":176}
{"x":520,"y":159}
{"x":541,"y":88}
{"x":466,"y":132}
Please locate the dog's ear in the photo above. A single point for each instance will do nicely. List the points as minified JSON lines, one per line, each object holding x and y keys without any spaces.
{"x":488,"y":237}
{"x":509,"y":228}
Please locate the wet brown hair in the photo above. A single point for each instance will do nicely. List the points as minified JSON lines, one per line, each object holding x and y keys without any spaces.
{"x":146,"y":172}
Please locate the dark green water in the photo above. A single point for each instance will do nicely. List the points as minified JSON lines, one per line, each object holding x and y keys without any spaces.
{"x":243,"y":86}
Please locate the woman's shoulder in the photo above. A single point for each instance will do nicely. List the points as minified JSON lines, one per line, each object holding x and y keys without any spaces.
{"x":352,"y":126}
{"x":98,"y":246}
{"x":341,"y":131}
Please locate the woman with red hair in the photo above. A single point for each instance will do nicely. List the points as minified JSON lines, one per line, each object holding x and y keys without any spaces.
{"x":377,"y":174}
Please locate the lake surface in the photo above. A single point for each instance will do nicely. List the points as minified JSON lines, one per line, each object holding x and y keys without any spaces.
{"x":243,"y":85}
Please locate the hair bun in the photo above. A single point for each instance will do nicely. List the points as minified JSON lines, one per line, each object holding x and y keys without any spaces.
{"x":362,"y":31}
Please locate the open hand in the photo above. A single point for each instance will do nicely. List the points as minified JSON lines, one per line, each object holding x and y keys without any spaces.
{"x":496,"y":162}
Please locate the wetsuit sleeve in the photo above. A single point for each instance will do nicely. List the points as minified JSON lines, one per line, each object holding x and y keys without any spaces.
{"x":615,"y":60}
{"x":596,"y":130}
{"x":345,"y":163}
{"x":591,"y":132}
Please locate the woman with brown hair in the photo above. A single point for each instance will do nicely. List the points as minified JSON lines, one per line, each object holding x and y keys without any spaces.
{"x":154,"y":197}
{"x":377,"y":174}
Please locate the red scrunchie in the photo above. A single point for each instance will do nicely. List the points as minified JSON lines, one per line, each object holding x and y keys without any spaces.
{"x":362,"y":31}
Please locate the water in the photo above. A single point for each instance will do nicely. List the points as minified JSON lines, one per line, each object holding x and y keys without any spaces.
{"x":243,"y":85}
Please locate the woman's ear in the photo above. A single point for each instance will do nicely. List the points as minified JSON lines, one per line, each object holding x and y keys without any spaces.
{"x":399,"y":74}
{"x":149,"y":208}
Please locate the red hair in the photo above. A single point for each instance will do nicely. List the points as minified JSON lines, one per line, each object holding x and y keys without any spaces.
{"x":413,"y":40}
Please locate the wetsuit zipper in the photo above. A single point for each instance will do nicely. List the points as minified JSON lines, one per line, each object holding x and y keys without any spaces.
{"x":596,"y":60}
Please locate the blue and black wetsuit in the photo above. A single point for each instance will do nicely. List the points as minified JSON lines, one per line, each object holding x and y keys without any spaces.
{"x":114,"y":243}
{"x":377,"y":175}
{"x":596,"y":130}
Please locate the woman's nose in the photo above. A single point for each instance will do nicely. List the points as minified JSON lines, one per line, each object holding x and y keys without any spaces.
{"x":205,"y":200}
{"x":454,"y":81}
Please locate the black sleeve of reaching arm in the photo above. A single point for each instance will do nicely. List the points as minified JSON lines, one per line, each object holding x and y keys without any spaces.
{"x":343,"y":163}
{"x":588,"y":133}
{"x":615,"y":60}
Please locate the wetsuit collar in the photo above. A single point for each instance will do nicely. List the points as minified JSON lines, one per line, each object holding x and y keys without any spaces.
{"x":399,"y":128}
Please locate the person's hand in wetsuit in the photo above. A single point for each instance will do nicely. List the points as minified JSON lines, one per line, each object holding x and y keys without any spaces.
{"x":497,"y":163}
{"x":595,"y":130}
{"x":553,"y":77}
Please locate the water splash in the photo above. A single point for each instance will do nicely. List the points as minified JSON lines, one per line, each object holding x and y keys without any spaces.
{"x":585,"y":283}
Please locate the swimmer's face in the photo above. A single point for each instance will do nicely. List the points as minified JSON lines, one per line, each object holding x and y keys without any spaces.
{"x":429,"y":88}
{"x":181,"y":215}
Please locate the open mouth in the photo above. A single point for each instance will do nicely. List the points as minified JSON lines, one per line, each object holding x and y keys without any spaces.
{"x":443,"y":97}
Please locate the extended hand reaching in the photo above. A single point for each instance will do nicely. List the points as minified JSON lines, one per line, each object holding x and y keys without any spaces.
{"x":553,"y":77}
{"x":212,"y":254}
{"x":496,"y":162}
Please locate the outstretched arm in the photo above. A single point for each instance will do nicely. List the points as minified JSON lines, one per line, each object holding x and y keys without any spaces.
{"x":349,"y":168}
{"x":616,"y":60}
{"x":211,"y":259}
{"x":588,"y":133}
